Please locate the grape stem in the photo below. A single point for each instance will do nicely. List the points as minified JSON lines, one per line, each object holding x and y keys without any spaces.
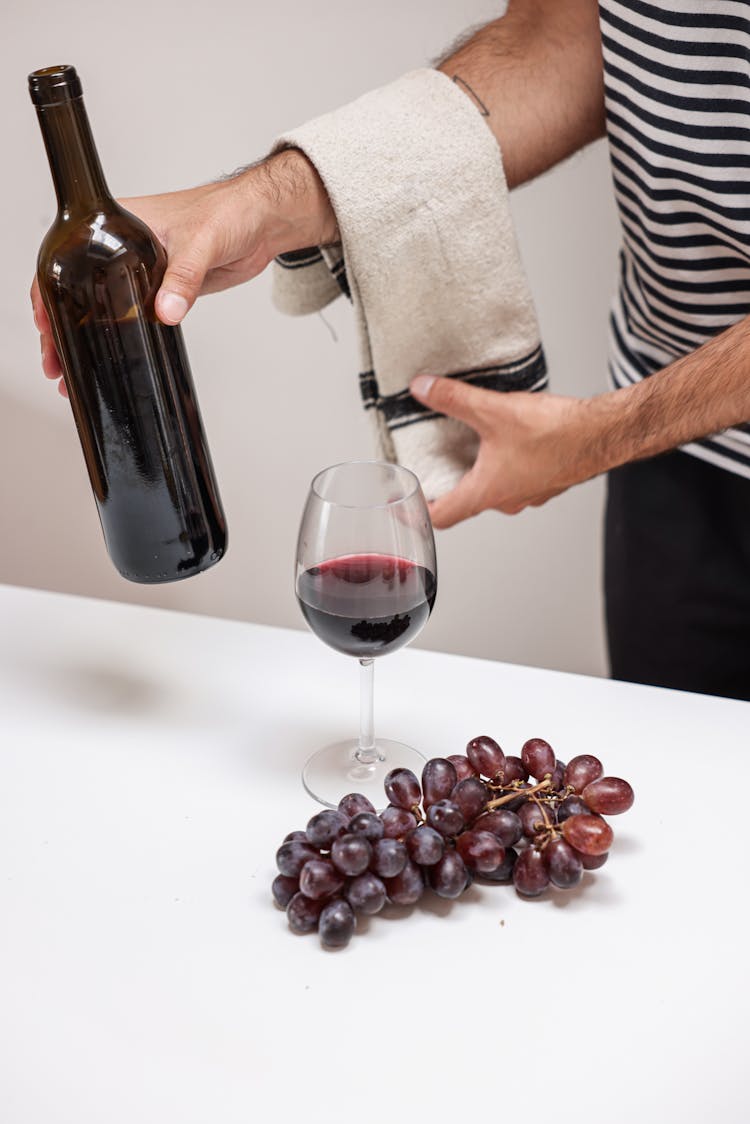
{"x":541,"y":787}
{"x":546,"y":825}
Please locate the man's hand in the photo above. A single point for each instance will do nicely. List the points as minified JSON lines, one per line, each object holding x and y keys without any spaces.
{"x":531,"y":447}
{"x":534,"y":446}
{"x":222,"y":234}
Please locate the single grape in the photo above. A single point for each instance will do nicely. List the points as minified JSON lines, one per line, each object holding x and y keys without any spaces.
{"x":302,"y":914}
{"x":463,"y":767}
{"x":564,"y":866}
{"x":320,"y":879}
{"x":538,"y":758}
{"x":351,"y":854}
{"x":448,"y":877}
{"x":486,"y":756}
{"x":284,"y":889}
{"x":366,"y":893}
{"x":292,"y":856}
{"x":592,"y":862}
{"x":582,"y":770}
{"x":324,"y":827}
{"x":296,"y":837}
{"x":503,"y":872}
{"x":425,"y":845}
{"x":530,"y":876}
{"x":389,"y":857}
{"x":609,"y":796}
{"x":558,"y":775}
{"x":533,"y":819}
{"x":514,"y":770}
{"x":446,"y":817}
{"x":573,"y":805}
{"x":480,"y":850}
{"x":397,"y":822}
{"x":402,"y":788}
{"x":588,"y":833}
{"x":438,"y":780}
{"x":471,"y":797}
{"x":367,"y":824}
{"x":504,"y":825}
{"x":336,"y":924}
{"x":407,"y":887}
{"x":354,"y":803}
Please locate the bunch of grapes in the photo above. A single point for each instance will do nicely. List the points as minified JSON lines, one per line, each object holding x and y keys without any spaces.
{"x":530,"y":820}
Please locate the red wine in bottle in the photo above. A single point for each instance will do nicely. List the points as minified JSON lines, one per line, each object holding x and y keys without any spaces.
{"x":127,"y":374}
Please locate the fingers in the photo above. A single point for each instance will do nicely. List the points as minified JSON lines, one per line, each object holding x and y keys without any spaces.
{"x":456,"y":399}
{"x":37,"y":305}
{"x":50,"y":361}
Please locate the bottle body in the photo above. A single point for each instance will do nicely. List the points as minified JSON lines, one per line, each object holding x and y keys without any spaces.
{"x":129,"y":382}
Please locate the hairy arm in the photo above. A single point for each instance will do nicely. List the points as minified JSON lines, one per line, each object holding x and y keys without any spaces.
{"x":537,"y":73}
{"x":534,"y":446}
{"x":699,"y":394}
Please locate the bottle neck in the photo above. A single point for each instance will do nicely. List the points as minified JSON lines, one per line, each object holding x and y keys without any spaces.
{"x":73,"y":159}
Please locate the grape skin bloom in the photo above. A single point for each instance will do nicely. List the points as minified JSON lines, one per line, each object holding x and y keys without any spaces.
{"x":402,"y":788}
{"x":351,"y":854}
{"x":609,"y":796}
{"x":336,"y":924}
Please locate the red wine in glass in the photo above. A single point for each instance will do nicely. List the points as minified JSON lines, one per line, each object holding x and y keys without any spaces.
{"x":366,"y":605}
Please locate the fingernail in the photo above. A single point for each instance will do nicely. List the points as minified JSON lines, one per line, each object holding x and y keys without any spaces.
{"x":172,"y":307}
{"x":421,"y":385}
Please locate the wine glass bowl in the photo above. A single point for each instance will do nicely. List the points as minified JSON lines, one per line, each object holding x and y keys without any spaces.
{"x":366,"y":580}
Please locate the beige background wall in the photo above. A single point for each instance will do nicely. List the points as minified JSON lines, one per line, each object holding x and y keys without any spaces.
{"x":179,"y":93}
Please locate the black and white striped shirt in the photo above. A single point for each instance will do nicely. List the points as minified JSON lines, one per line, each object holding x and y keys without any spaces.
{"x":677,"y":85}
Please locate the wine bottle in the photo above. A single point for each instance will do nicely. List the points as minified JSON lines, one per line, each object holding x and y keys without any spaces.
{"x":127,"y":374}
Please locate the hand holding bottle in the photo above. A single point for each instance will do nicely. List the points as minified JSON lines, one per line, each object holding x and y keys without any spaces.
{"x":222,"y":234}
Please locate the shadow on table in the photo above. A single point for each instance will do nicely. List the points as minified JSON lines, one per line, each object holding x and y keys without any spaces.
{"x":95,"y":688}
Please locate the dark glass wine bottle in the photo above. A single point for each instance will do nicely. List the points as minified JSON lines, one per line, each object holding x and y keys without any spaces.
{"x":127,"y":374}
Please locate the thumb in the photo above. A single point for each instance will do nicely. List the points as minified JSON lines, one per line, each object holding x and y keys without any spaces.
{"x":452,"y":397}
{"x":462,"y":502}
{"x":182,"y":281}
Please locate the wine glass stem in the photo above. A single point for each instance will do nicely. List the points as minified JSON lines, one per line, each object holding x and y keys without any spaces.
{"x":367,"y":752}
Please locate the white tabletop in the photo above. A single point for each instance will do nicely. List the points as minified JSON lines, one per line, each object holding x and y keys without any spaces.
{"x":149,"y":768}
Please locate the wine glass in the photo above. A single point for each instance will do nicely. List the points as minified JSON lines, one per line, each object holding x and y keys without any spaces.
{"x":366,"y":579}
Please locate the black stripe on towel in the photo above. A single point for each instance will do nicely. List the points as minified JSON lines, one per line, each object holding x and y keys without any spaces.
{"x":297,"y":259}
{"x":338,"y":272}
{"x":401,"y":409}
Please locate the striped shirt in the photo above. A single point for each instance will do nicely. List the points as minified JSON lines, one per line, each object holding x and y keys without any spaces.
{"x":677,"y":87}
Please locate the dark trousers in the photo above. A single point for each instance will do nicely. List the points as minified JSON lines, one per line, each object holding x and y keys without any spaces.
{"x":677,"y":575}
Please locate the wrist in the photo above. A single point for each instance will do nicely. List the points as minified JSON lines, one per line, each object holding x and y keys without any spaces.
{"x":296,"y":210}
{"x":620,"y":426}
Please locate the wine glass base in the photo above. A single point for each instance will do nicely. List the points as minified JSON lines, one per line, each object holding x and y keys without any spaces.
{"x":335,"y":771}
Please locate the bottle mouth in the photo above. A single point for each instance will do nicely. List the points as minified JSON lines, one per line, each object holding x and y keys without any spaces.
{"x":54,"y":85}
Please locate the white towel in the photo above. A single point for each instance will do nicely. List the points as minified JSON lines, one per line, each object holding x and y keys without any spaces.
{"x":429,"y":257}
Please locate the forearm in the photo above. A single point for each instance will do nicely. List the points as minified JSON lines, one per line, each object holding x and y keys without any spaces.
{"x":538,"y":71}
{"x":699,"y":394}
